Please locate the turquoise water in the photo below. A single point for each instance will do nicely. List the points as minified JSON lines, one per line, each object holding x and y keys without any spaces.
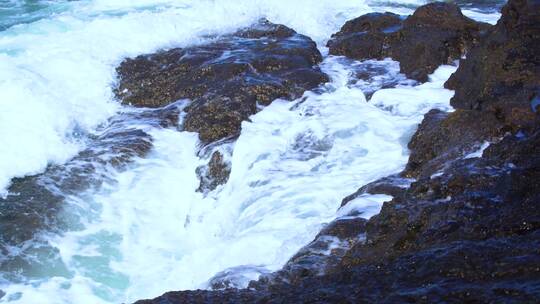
{"x":13,"y":12}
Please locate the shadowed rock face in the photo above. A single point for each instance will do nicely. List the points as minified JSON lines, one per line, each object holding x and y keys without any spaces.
{"x":502,"y":74}
{"x":495,"y":91}
{"x":366,"y":37}
{"x":442,"y":137}
{"x":227,"y":79}
{"x":467,"y":230}
{"x":437,"y":33}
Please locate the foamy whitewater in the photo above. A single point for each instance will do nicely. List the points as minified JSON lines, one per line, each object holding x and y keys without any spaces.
{"x":146,"y":230}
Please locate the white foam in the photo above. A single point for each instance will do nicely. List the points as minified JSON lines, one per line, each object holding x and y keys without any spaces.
{"x":366,"y":205}
{"x":479,"y":152}
{"x":488,"y":17}
{"x":56,"y":73}
{"x":414,"y":101}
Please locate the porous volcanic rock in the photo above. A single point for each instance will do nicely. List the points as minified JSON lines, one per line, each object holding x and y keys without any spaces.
{"x":445,"y":136}
{"x":502,"y":74}
{"x":437,"y":33}
{"x":365,"y":37}
{"x":227,"y":79}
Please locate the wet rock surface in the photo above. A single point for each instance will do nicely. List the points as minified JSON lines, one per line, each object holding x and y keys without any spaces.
{"x":227,"y":79}
{"x":437,"y":33}
{"x":392,"y":185}
{"x":366,"y":36}
{"x":502,"y":74}
{"x":321,"y":255}
{"x":466,"y":229}
{"x":442,"y":137}
{"x":34,"y":205}
{"x":214,"y":174}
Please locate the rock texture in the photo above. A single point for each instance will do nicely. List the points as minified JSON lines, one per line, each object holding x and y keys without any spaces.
{"x":467,"y":230}
{"x":502,"y":74}
{"x":214,"y":174}
{"x":442,"y":137}
{"x":365,"y":37}
{"x":437,"y":33}
{"x":227,"y":79}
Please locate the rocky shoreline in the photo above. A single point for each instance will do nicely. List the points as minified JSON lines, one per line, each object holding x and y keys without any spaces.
{"x":462,"y":225}
{"x":227,"y":80}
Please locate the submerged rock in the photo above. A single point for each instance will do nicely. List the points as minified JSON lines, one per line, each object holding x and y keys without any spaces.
{"x":227,"y":79}
{"x":34,"y":205}
{"x":373,"y":75}
{"x":437,"y":33}
{"x":215,"y":173}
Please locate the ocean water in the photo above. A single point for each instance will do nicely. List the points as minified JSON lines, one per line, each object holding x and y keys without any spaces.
{"x":145,"y":230}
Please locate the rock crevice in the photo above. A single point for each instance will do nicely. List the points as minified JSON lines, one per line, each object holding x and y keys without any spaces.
{"x":437,"y":33}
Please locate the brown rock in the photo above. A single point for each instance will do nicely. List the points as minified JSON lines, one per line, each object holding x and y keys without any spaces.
{"x":226,"y":79}
{"x":437,"y":33}
{"x":502,"y":74}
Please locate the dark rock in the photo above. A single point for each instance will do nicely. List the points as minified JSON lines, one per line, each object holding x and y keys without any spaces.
{"x":445,"y":136}
{"x":365,"y":37}
{"x":450,"y":36}
{"x":502,"y":74}
{"x":227,"y":296}
{"x":371,"y":22}
{"x":474,"y":199}
{"x":437,"y":33}
{"x":495,"y":89}
{"x":392,"y":185}
{"x":214,"y":174}
{"x":227,"y":79}
{"x":323,"y":253}
{"x":459,"y":272}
